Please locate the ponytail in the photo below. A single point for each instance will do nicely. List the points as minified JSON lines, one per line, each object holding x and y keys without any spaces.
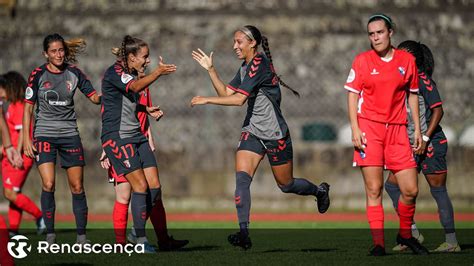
{"x":72,"y":47}
{"x":266,"y":50}
{"x":130,"y":45}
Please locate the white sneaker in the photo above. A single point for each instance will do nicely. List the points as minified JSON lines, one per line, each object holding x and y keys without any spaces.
{"x":401,"y":248}
{"x":446,"y":247}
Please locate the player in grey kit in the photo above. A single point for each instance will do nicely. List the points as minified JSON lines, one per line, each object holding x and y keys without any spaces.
{"x":264,"y":130}
{"x":51,"y":88}
{"x":431,"y":158}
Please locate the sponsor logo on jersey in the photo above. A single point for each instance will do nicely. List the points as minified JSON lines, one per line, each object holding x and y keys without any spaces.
{"x":28,"y":93}
{"x":351,"y":77}
{"x":402,"y":71}
{"x":374,"y":72}
{"x":126,"y":78}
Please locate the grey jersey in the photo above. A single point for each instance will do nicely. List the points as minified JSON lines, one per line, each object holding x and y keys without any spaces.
{"x":53,"y":93}
{"x":411,"y":124}
{"x":258,"y":81}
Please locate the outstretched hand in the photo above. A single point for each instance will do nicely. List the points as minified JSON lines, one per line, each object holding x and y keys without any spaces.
{"x":198,"y":100}
{"x":203,"y":59}
{"x":165,"y":69}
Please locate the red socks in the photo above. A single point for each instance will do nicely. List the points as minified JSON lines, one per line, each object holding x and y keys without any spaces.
{"x":5,"y":258}
{"x":14,"y":217}
{"x":120,"y":218}
{"x":375,"y":216}
{"x":26,"y":204}
{"x":405,"y":213}
{"x":158,"y":219}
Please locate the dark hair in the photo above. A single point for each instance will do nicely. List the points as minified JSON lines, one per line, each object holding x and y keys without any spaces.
{"x":260,"y":39}
{"x":130,"y":45}
{"x":15,"y":86}
{"x":71,"y":47}
{"x":428,"y":60}
{"x":379,"y":16}
{"x":3,"y":82}
{"x":415,"y":49}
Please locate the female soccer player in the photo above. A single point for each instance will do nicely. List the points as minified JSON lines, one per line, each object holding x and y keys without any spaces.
{"x":123,"y":190}
{"x":51,"y":87}
{"x":126,"y":147}
{"x":431,"y":158}
{"x":377,"y":87}
{"x":264,"y":130}
{"x":13,"y":85}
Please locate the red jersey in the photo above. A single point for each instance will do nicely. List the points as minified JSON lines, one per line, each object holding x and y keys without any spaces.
{"x":145,"y":99}
{"x":383,"y":85}
{"x":14,"y":119}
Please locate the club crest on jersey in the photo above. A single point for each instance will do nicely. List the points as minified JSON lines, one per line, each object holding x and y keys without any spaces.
{"x":127,"y":163}
{"x":402,"y":71}
{"x":47,"y":85}
{"x":126,"y":78}
{"x":28,"y":93}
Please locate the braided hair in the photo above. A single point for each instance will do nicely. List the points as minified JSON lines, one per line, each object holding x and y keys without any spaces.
{"x":415,"y":49}
{"x":130,"y":45}
{"x":428,"y":62}
{"x":72,"y":47}
{"x":253,"y":33}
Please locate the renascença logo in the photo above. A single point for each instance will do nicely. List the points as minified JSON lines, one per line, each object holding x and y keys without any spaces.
{"x":18,"y":247}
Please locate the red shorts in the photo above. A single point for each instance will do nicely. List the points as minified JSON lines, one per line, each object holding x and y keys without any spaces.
{"x":15,"y":178}
{"x":114,"y":177}
{"x":387,"y":145}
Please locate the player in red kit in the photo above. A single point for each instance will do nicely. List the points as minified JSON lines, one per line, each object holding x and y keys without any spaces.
{"x":12,"y":87}
{"x":378,"y":85}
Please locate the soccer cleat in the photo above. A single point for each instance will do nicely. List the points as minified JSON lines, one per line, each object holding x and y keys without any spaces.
{"x":240,"y":240}
{"x":131,"y":237}
{"x":413,"y":244}
{"x":323,"y":197}
{"x":377,"y":251}
{"x":446,"y":247}
{"x":51,"y":239}
{"x":171,"y":244}
{"x":401,"y":248}
{"x":148,"y":248}
{"x":40,"y":226}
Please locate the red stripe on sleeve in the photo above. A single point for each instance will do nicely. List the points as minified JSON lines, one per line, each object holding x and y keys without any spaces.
{"x":28,"y":101}
{"x":128,"y":85}
{"x":436,"y":104}
{"x":90,"y":94}
{"x":238,"y":90}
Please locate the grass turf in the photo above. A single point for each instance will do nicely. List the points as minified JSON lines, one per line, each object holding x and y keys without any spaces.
{"x":279,"y":243}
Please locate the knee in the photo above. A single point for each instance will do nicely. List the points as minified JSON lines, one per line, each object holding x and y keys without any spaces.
{"x":9,"y":194}
{"x":242,"y":180}
{"x":140,"y":186}
{"x":123,"y":198}
{"x":287,"y":188}
{"x":374,"y":191}
{"x":77,"y":189}
{"x":410,"y":193}
{"x":48,"y":186}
